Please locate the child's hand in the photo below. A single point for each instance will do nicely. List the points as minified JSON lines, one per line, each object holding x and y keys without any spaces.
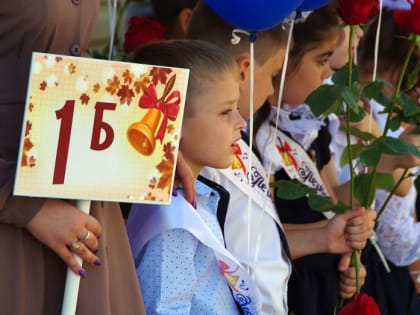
{"x":348,"y":277}
{"x":360,"y":228}
{"x":350,"y":230}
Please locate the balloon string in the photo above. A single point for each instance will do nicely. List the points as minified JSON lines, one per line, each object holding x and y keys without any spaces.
{"x":281,"y":89}
{"x":235,"y":40}
{"x":112,"y":13}
{"x":251,"y":141}
{"x":375,"y":59}
{"x":280,"y":96}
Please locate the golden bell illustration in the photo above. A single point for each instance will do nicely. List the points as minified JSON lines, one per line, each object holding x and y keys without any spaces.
{"x":141,"y":134}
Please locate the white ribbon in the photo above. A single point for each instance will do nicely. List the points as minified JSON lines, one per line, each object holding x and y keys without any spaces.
{"x":252,"y":182}
{"x":374,"y":240}
{"x":155,"y":219}
{"x":301,"y":167}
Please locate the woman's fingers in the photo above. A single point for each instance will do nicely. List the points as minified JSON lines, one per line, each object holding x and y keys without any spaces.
{"x":67,"y":230}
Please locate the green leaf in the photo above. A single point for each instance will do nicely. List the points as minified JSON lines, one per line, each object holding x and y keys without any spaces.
{"x":320,"y":203}
{"x":409,"y":105}
{"x":326,"y":99}
{"x":365,"y":136}
{"x":413,"y":77}
{"x":356,"y":114}
{"x":356,"y":150}
{"x":396,"y":146}
{"x":384,"y":181}
{"x":340,"y":207}
{"x":395,"y":123}
{"x":373,"y":89}
{"x":370,"y":156}
{"x":385,"y":101}
{"x":350,"y":97}
{"x":362,"y":184}
{"x":341,"y":77}
{"x":291,"y":189}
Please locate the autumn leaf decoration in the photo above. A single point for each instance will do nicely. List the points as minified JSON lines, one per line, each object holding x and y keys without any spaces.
{"x":166,"y":166}
{"x":28,"y":160}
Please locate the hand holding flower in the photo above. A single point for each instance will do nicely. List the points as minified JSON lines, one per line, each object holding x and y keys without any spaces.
{"x":350,"y":230}
{"x":348,"y":277}
{"x":360,"y":228}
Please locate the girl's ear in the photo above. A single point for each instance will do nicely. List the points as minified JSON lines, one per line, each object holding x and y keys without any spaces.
{"x":183,"y":19}
{"x":244,"y":64}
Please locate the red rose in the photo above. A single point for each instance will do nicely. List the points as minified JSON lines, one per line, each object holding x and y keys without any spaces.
{"x":409,"y":20}
{"x":354,"y":12}
{"x":142,"y":30}
{"x":361,"y":304}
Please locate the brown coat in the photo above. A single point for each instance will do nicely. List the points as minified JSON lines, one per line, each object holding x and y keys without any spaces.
{"x":32,"y":277}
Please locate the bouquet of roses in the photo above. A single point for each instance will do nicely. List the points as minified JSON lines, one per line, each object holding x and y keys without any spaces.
{"x":367,"y":151}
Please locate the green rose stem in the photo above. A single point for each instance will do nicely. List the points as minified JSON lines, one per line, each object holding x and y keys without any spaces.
{"x":349,"y":152}
{"x":354,"y":262}
{"x":413,"y":44}
{"x":350,"y":155}
{"x":400,"y":180}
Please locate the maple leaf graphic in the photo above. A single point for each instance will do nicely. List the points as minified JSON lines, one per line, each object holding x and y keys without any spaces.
{"x":31,"y":106}
{"x":28,"y":128}
{"x":27,"y":144}
{"x":153,"y":182}
{"x":24,"y":160}
{"x":32,"y":161}
{"x":96,"y":88}
{"x":159,"y":75}
{"x":170,"y":129}
{"x":72,"y":68}
{"x":43,"y":86}
{"x":113,"y":85}
{"x":126,"y":94}
{"x":165,"y":167}
{"x":141,"y":84}
{"x":149,"y":196}
{"x":164,"y":181}
{"x":128,"y":77}
{"x":168,"y":151}
{"x":84,"y":98}
{"x":58,"y":59}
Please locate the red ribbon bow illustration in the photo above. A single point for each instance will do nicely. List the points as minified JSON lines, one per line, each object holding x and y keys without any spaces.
{"x":169,"y":107}
{"x":238,"y":163}
{"x":285,"y":152}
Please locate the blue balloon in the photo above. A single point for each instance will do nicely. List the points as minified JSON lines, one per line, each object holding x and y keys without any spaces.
{"x":309,"y":5}
{"x":254,"y":15}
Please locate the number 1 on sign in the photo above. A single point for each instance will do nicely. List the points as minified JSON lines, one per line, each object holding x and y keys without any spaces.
{"x":65,"y":114}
